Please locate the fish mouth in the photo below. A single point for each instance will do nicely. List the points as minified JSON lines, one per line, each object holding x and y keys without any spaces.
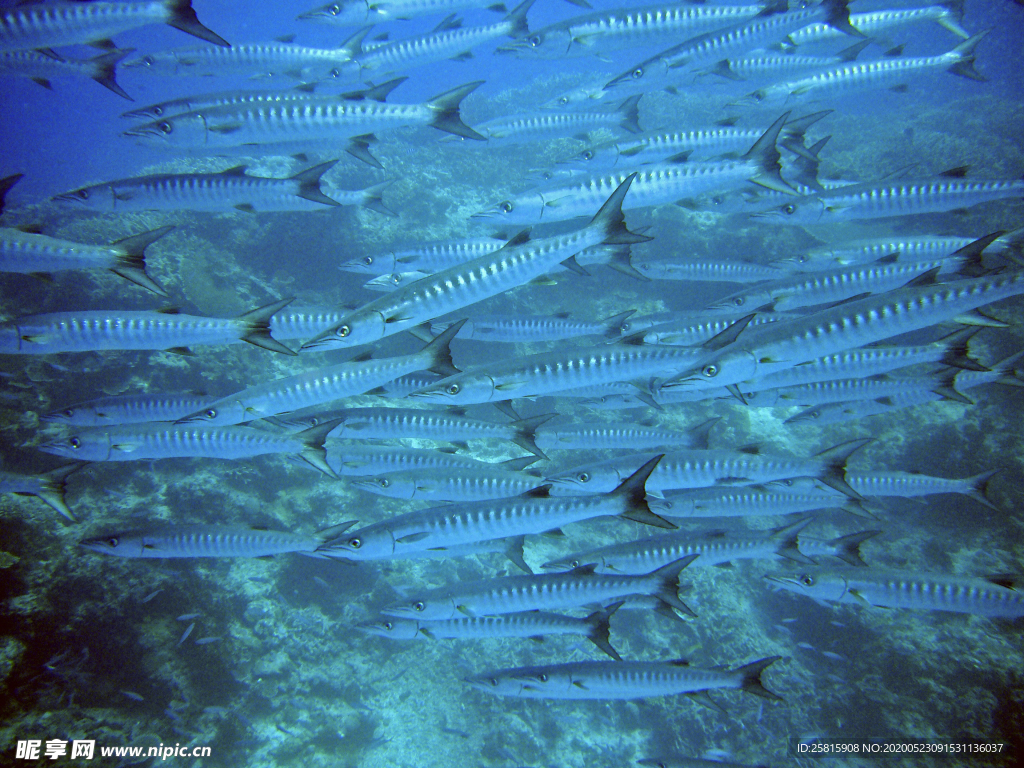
{"x":68,"y":197}
{"x":144,"y":131}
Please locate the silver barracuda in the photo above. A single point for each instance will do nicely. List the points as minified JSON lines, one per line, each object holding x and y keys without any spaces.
{"x":707,"y":270}
{"x":6,"y":183}
{"x":696,"y":468}
{"x":324,"y":385}
{"x":48,"y":487}
{"x":315,"y":121}
{"x":948,"y":15}
{"x":33,"y":254}
{"x":353,"y":460}
{"x":752,"y":501}
{"x":41,"y":68}
{"x":292,"y":323}
{"x":548,"y":591}
{"x":554,"y":372}
{"x":842,"y":390}
{"x":602,"y":31}
{"x":652,"y":185}
{"x":998,"y":598}
{"x":779,"y":346}
{"x":906,"y":485}
{"x":429,"y":257}
{"x":693,"y":330}
{"x":97,"y":330}
{"x":166,"y":541}
{"x":455,"y":525}
{"x":251,"y":60}
{"x":138,"y":442}
{"x":230,"y":190}
{"x":605,"y":435}
{"x":127,"y":409}
{"x":889,"y":72}
{"x":460,"y":286}
{"x":773,"y":24}
{"x":359,"y":13}
{"x":533,"y":624}
{"x":459,"y":485}
{"x":544,"y":125}
{"x":519,"y":329}
{"x":56,"y":24}
{"x":449,"y":40}
{"x":621,"y":680}
{"x":773,"y":66}
{"x":699,"y":144}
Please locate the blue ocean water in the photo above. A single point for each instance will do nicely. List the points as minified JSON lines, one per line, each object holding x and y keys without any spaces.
{"x":91,"y":646}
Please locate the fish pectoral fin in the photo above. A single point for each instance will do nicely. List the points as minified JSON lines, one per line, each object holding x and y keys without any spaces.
{"x":510,"y":385}
{"x":466,"y":611}
{"x":125,"y":447}
{"x":226,"y":129}
{"x":579,"y":684}
{"x":398,"y":318}
{"x":412,"y":538}
{"x":859,"y":598}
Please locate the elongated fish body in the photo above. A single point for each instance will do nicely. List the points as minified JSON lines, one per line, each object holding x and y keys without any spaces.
{"x":652,"y":185}
{"x":353,"y":460}
{"x":56,"y":24}
{"x":520,"y":329}
{"x":647,"y":554}
{"x":42,"y":68}
{"x":430,"y":257}
{"x":853,"y":252}
{"x":292,"y":323}
{"x":313,"y":121}
{"x":250,"y":60}
{"x":697,"y":468}
{"x":166,"y":541}
{"x":323,"y":385}
{"x":604,"y":31}
{"x":690,"y":56}
{"x":127,"y":409}
{"x":683,"y":334}
{"x":707,"y":270}
{"x":228,"y":190}
{"x":550,"y":372}
{"x":358,"y":13}
{"x":907,"y":198}
{"x":830,"y":286}
{"x":444,"y":42}
{"x":775,"y":66}
{"x":743,"y":502}
{"x":29,"y":253}
{"x":914,"y":591}
{"x":546,"y":125}
{"x":606,"y":435}
{"x":620,"y":680}
{"x":97,"y":330}
{"x":455,"y":485}
{"x":841,"y":390}
{"x":545,"y":592}
{"x":873,"y":22}
{"x":908,"y":485}
{"x":888,"y":72}
{"x":776,"y":347}
{"x":48,"y":487}
{"x":465,"y":284}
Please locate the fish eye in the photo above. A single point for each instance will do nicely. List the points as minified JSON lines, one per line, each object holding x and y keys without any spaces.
{"x":75,"y":443}
{"x":494,"y":681}
{"x":718,"y":199}
{"x":83,"y":194}
{"x":388,"y":625}
{"x":148,"y":61}
{"x":625,"y":327}
{"x":807,"y":580}
{"x":368,"y":261}
{"x":210,"y":413}
{"x":335,"y":72}
{"x":355,"y":543}
{"x":563,"y":101}
{"x":637,"y":73}
{"x":343,"y":331}
{"x":69,"y":412}
{"x":506,"y":207}
{"x":334,"y":10}
{"x":535,"y":41}
{"x":383,"y":482}
{"x":758,"y":95}
{"x":587,"y":155}
{"x":313,"y":421}
{"x":542,"y":677}
{"x":453,"y":389}
{"x":165,"y":128}
{"x":739,"y":301}
{"x":418,"y":606}
{"x":113,"y":541}
{"x":710,"y":370}
{"x":574,"y":564}
{"x":789,"y":209}
{"x":396,"y":278}
{"x":583,"y":477}
{"x":158,"y":111}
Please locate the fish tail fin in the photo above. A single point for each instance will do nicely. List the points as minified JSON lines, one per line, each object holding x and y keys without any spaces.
{"x":526,"y":433}
{"x":373,"y":198}
{"x":131,"y":261}
{"x":309,"y":183}
{"x":515,"y":553}
{"x":621,"y":260}
{"x":255,"y":327}
{"x":807,"y":163}
{"x":795,"y":130}
{"x":611,"y":220}
{"x":517,"y":17}
{"x":750,"y":675}
{"x":978,"y":488}
{"x":668,"y":584}
{"x":104,"y":69}
{"x":613,"y":325}
{"x":848,"y":547}
{"x":767,"y":156}
{"x":599,"y":622}
{"x":787,"y":540}
{"x":312,"y":451}
{"x":633,"y":493}
{"x":972,"y":256}
{"x":953,"y":17}
{"x":437,"y":349}
{"x":52,"y":486}
{"x":182,"y":16}
{"x":964,"y":66}
{"x":957,"y":350}
{"x":446,"y":109}
{"x":629,"y":109}
{"x":700,"y":435}
{"x":833,"y":473}
{"x":359,"y":148}
{"x":5,"y":186}
{"x":838,"y":17}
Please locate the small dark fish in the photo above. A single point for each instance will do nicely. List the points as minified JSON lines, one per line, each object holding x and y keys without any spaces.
{"x":188,"y":632}
{"x":207,"y":640}
{"x":188,"y":616}
{"x":131,"y":695}
{"x":150,"y":596}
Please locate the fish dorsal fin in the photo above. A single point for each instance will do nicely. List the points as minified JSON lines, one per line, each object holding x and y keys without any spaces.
{"x":518,"y":239}
{"x":729,"y":335}
{"x":959,"y":172}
